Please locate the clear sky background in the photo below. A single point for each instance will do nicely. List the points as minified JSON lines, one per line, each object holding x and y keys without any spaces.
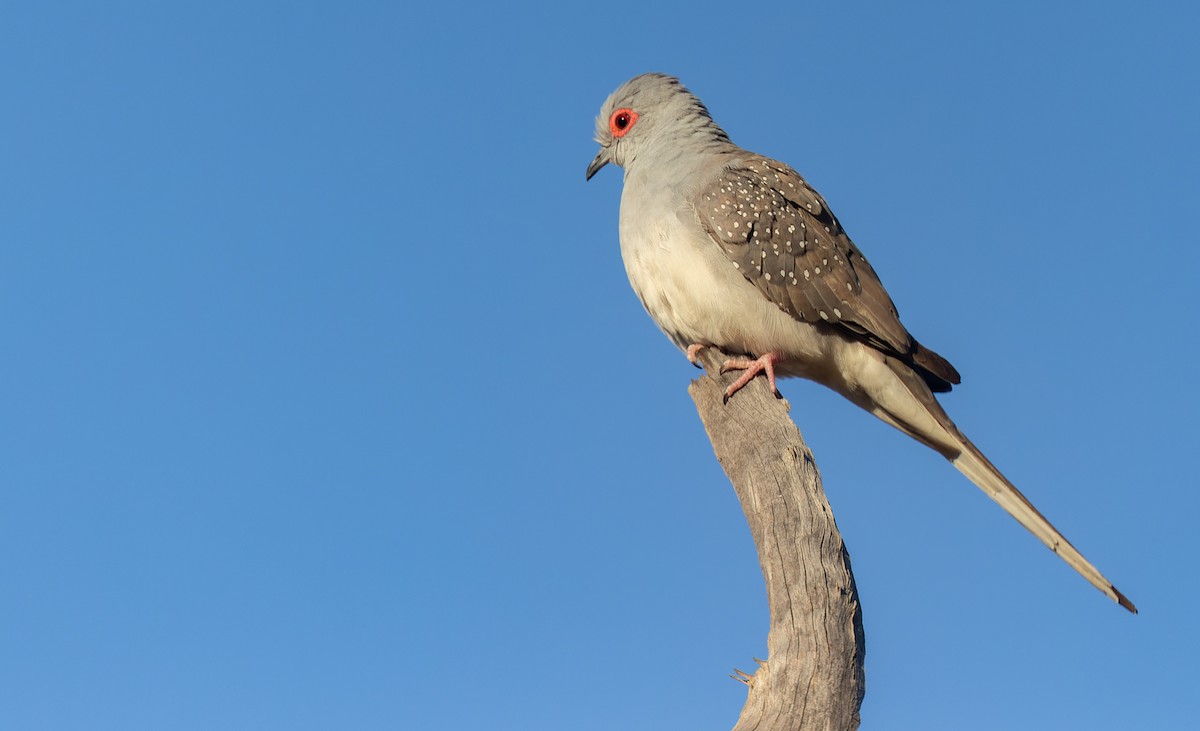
{"x":326,"y":403}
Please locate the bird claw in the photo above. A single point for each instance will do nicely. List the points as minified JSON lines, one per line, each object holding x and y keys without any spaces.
{"x":693,"y":354}
{"x":752,"y":368}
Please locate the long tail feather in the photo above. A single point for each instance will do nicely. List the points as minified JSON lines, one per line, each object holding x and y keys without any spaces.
{"x":984,"y":474}
{"x":917,"y":418}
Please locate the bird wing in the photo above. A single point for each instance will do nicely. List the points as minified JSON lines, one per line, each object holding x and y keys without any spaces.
{"x":783,"y":238}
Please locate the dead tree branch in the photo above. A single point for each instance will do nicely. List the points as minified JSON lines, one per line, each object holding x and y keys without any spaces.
{"x":813,"y":675}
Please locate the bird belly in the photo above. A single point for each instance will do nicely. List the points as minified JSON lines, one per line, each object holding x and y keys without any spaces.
{"x":696,"y":295}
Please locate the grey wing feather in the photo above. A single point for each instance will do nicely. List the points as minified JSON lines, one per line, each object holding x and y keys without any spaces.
{"x":782,"y":236}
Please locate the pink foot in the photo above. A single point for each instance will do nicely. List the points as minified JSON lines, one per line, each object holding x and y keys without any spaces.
{"x":693,"y":354}
{"x":752,"y":368}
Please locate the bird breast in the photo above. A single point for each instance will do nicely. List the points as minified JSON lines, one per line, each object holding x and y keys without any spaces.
{"x":695,"y":294}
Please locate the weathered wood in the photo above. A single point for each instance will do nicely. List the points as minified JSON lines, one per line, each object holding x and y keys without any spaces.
{"x":813,"y":675}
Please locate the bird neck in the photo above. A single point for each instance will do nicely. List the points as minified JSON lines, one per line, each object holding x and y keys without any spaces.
{"x":690,"y":146}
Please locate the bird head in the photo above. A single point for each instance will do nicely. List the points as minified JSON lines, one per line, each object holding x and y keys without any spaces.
{"x":649,"y":112}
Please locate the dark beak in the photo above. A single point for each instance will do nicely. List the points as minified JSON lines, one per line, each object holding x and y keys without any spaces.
{"x":600,"y":161}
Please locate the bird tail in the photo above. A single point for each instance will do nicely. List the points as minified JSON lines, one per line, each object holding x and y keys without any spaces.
{"x":984,"y":474}
{"x":967,"y":458}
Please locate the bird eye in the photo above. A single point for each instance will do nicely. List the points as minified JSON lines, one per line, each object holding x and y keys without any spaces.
{"x":621,"y":122}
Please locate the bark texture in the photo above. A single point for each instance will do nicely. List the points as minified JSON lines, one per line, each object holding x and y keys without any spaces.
{"x":813,"y":675}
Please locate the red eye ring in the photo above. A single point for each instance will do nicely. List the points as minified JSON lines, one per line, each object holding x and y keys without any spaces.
{"x":622,"y":121}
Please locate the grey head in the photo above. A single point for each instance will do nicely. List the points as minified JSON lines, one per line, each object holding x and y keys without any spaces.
{"x":653,"y":116}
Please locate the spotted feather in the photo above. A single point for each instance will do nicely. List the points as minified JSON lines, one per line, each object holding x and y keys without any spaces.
{"x":782,"y":237}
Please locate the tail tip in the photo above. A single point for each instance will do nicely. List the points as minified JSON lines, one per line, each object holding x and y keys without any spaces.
{"x":1123,"y":600}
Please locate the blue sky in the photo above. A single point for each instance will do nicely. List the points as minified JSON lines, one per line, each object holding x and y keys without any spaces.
{"x":326,"y":403}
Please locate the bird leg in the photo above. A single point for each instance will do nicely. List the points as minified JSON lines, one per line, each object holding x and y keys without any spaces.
{"x":752,"y":368}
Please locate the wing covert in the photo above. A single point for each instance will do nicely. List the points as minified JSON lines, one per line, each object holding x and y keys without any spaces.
{"x":782,"y":237}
